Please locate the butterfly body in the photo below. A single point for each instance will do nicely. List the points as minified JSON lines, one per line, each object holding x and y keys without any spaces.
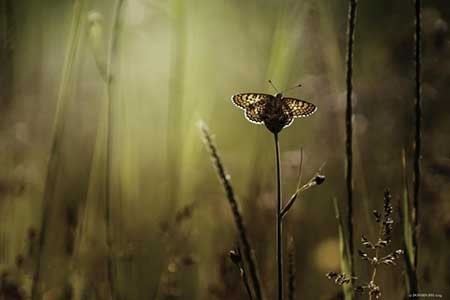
{"x":274,"y":111}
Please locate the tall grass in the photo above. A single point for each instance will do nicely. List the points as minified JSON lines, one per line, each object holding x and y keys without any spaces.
{"x":238,"y":220}
{"x":57,"y":131}
{"x":344,"y":252}
{"x":418,"y":140}
{"x":110,"y":80}
{"x":373,"y":254}
{"x":174,"y":136}
{"x":349,"y":130}
{"x":408,"y":233}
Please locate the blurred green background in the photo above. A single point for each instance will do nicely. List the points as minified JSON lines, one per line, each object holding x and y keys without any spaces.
{"x":169,"y":228}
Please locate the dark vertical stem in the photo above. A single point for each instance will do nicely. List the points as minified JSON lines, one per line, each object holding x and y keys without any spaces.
{"x":279,"y":220}
{"x":110,"y":130}
{"x":349,"y":125}
{"x":246,"y":283}
{"x":418,"y":133}
{"x":291,"y":270}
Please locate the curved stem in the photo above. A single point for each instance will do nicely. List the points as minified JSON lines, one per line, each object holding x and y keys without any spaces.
{"x":279,"y":221}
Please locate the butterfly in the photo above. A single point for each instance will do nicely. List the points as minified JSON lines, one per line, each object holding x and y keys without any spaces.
{"x":275,"y":111}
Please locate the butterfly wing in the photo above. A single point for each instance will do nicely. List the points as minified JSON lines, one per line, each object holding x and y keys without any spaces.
{"x":297,"y":108}
{"x":244,"y":100}
{"x":253,"y":104}
{"x":255,"y":112}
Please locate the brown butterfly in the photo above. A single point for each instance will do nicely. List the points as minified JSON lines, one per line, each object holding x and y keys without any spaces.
{"x":275,"y":111}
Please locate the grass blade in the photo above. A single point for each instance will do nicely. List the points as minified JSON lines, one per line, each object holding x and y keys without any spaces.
{"x":346,"y":261}
{"x":408,"y":234}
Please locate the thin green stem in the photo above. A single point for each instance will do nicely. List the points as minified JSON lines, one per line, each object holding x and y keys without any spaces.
{"x":279,"y":221}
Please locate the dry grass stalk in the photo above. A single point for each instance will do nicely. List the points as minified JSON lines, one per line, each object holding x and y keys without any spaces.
{"x":372,"y":254}
{"x":349,"y":126}
{"x":238,"y":220}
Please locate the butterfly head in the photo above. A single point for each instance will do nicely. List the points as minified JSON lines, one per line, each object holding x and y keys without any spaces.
{"x":279,"y":96}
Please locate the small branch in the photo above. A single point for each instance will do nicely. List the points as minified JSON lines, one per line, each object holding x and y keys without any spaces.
{"x":316,"y":180}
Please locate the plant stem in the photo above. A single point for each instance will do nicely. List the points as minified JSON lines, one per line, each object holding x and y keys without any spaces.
{"x":349,"y":126}
{"x":238,"y":220}
{"x":291,"y":269}
{"x":246,"y":283}
{"x":418,"y":138}
{"x":279,"y":221}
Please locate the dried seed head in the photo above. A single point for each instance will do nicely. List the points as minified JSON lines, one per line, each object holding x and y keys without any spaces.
{"x":235,"y":256}
{"x":377,"y":216}
{"x":331,"y":275}
{"x":363,"y":255}
{"x":382,"y":243}
{"x":387,"y":204}
{"x":374,"y":291}
{"x":319,"y":179}
{"x":365,"y":241}
{"x":340,"y":278}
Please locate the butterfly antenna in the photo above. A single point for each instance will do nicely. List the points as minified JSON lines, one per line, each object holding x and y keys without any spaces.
{"x":271,"y":83}
{"x":291,"y":88}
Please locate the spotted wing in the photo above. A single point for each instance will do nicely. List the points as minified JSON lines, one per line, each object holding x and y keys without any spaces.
{"x":245,"y":100}
{"x":253,"y":104}
{"x":255,"y":112}
{"x":297,"y":108}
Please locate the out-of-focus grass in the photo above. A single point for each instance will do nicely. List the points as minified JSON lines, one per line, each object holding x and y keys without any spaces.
{"x":50,"y":204}
{"x":231,"y":46}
